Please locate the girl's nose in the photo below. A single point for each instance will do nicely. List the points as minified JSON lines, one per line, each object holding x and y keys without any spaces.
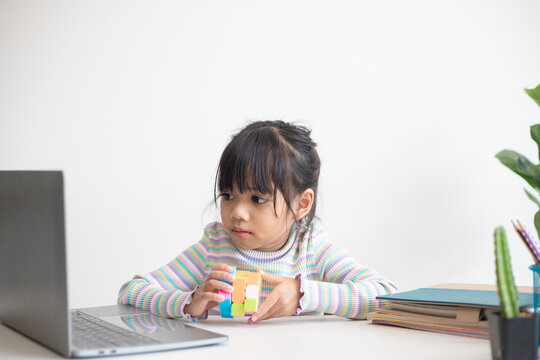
{"x":240,"y":213}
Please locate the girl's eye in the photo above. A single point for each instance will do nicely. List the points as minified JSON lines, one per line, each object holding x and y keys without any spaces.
{"x":258,"y":199}
{"x":226,"y":196}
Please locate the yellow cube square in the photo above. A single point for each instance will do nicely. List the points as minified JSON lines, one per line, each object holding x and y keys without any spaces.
{"x":237,"y":309}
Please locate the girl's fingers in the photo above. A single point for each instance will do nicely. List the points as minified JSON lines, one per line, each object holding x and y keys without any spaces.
{"x":274,"y":279}
{"x":221,"y":275}
{"x":222,"y":267}
{"x":203,"y":301}
{"x":211,"y":296}
{"x":208,"y":296}
{"x":265,"y":307}
{"x":271,"y":313}
{"x":218,"y":285}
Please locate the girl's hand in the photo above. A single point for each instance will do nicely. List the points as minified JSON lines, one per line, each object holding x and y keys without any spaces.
{"x":206,"y":296}
{"x":283,"y":301}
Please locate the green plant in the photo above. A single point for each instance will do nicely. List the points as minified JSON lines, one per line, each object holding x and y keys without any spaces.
{"x":506,"y":286}
{"x":522,"y":166}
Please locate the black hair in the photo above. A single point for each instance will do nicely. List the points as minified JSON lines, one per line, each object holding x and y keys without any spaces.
{"x":267,"y":156}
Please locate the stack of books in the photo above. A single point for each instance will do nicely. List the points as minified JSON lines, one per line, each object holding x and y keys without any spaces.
{"x":456,"y":309}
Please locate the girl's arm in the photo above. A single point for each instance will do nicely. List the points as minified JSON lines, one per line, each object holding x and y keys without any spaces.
{"x":168,"y":289}
{"x":344,"y":287}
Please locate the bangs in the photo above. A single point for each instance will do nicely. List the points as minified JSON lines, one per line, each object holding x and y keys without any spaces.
{"x":249,"y":163}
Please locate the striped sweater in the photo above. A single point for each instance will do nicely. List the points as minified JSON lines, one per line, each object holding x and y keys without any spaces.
{"x":331,"y":280}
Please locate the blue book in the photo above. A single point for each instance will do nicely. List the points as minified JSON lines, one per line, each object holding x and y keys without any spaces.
{"x":456,"y":297}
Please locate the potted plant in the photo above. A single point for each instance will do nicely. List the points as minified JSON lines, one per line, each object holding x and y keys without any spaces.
{"x":522,"y":166}
{"x":513,"y":335}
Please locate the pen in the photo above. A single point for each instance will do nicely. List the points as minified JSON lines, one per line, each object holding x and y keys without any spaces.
{"x":528,"y":241}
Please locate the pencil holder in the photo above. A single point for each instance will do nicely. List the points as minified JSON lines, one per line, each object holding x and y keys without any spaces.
{"x":536,"y":286}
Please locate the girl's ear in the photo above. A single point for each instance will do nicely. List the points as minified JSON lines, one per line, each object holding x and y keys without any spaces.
{"x":304,"y":203}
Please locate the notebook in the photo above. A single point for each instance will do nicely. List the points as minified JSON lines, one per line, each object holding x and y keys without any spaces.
{"x":456,"y":309}
{"x":458,"y":297}
{"x":33,"y":285}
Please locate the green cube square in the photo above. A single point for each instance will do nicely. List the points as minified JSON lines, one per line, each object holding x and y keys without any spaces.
{"x":250,"y":305}
{"x":237,"y":309}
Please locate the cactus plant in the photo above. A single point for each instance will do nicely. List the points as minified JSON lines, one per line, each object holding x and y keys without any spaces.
{"x":506,"y":287}
{"x":522,"y":166}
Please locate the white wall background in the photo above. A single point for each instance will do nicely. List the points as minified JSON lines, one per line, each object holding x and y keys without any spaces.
{"x":408,"y":100}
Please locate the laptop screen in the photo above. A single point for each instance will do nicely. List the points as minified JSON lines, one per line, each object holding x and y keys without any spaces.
{"x":33,"y":284}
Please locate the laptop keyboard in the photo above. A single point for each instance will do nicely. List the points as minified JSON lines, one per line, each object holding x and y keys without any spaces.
{"x":92,"y":333}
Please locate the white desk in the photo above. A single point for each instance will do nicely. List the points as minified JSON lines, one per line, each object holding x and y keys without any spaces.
{"x":305,"y":337}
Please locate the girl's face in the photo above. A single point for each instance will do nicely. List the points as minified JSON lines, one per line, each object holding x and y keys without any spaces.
{"x":252,"y":223}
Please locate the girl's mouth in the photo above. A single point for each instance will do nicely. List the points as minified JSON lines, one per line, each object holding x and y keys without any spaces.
{"x":240,"y":233}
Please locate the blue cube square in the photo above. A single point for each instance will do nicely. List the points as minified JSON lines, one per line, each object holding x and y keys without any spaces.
{"x":225,"y":308}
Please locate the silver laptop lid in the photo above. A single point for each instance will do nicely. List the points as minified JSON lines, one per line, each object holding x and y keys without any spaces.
{"x":33,"y":284}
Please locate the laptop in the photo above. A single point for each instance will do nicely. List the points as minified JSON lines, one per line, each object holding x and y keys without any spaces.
{"x":33,"y":282}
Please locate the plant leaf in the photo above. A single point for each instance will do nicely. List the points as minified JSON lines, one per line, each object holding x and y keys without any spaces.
{"x":524,"y":166}
{"x":535,"y":134}
{"x":532,"y":197}
{"x":534,"y":94}
{"x":537,"y":223}
{"x":520,"y":165}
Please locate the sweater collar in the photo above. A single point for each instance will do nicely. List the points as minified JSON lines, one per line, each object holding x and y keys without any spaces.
{"x":268,"y":256}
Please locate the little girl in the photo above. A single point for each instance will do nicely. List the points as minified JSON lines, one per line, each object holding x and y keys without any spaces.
{"x":266,"y":184}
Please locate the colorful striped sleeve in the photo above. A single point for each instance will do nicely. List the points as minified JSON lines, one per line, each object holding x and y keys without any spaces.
{"x":168,"y":289}
{"x":343,"y":287}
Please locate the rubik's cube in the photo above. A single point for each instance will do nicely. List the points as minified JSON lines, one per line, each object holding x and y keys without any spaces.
{"x":244,"y":300}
